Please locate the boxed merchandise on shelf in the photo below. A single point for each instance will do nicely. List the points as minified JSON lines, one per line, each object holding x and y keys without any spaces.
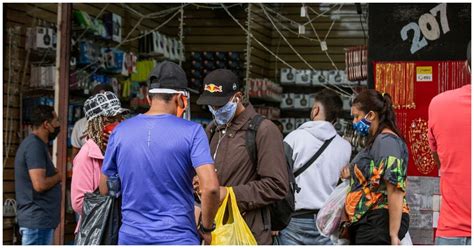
{"x":202,"y":63}
{"x":270,"y":113}
{"x":42,"y":76}
{"x":302,"y":101}
{"x":113,"y":26}
{"x":30,"y":102}
{"x":287,"y":101}
{"x":303,"y":77}
{"x":337,"y":77}
{"x":154,"y":43}
{"x":297,"y":101}
{"x":287,"y":76}
{"x":319,"y":77}
{"x":40,"y":37}
{"x":289,"y":124}
{"x":265,"y":89}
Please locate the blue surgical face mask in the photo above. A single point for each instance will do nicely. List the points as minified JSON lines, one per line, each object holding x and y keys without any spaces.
{"x":225,"y":113}
{"x":362,"y":126}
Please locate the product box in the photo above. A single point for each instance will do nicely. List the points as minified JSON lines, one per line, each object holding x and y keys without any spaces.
{"x":169,"y":48}
{"x":288,"y":124}
{"x":113,"y":25}
{"x":336,"y":77}
{"x":319,"y":77}
{"x":346,"y":103}
{"x":157,"y":49}
{"x":173,"y":49}
{"x":180,"y":51}
{"x":302,"y":101}
{"x":287,"y":76}
{"x":299,"y":122}
{"x":311,"y":100}
{"x":288,"y":101}
{"x":43,"y":38}
{"x":303,"y":77}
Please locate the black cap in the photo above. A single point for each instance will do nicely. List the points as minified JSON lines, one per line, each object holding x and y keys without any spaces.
{"x":167,"y":75}
{"x":219,"y":86}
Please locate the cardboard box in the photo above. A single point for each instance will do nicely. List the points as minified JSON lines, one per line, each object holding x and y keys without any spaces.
{"x":113,"y":25}
{"x":303,"y":77}
{"x":301,"y":101}
{"x":288,"y":101}
{"x":336,"y":77}
{"x":288,"y":124}
{"x":319,"y":77}
{"x":287,"y":76}
{"x":43,"y":38}
{"x":346,"y":103}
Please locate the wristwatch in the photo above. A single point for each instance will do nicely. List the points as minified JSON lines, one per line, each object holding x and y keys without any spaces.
{"x":207,"y":230}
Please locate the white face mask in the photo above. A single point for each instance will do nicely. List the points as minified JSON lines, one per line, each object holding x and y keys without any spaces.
{"x":226,"y":113}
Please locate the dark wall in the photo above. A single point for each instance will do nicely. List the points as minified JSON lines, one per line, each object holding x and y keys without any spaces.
{"x":386,"y":22}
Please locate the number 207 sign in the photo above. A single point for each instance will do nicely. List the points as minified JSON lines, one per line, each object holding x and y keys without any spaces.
{"x":429,"y":27}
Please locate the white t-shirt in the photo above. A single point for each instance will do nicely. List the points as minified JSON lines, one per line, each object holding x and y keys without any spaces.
{"x":77,"y":132}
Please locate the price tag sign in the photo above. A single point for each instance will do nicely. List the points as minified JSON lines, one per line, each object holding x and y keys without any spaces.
{"x":424,"y":74}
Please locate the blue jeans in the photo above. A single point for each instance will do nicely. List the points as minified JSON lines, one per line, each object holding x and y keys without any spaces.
{"x":453,"y":241}
{"x":302,"y":231}
{"x":42,"y":236}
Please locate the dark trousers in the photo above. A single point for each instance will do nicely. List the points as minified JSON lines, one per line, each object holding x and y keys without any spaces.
{"x":373,"y":228}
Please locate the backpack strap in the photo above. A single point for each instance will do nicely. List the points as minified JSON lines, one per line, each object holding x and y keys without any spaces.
{"x":251,"y":137}
{"x":315,"y":156}
{"x":251,"y":144}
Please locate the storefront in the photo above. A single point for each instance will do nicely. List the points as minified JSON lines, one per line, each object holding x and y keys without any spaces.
{"x":283,"y":52}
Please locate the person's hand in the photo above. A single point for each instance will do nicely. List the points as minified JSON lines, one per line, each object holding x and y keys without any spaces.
{"x":58,"y":176}
{"x":105,"y":137}
{"x":395,"y":240}
{"x":196,"y":185}
{"x":222,"y":194}
{"x":207,"y":237}
{"x":345,"y":173}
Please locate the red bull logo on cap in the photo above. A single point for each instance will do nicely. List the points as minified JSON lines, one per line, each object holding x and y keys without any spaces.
{"x":213,"y":88}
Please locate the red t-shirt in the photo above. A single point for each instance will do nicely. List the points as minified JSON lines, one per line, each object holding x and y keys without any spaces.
{"x":450,"y":136}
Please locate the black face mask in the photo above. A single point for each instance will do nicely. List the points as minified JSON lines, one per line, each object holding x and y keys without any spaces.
{"x":53,"y":135}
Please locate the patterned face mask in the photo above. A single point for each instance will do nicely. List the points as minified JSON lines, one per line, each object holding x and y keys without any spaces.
{"x":224,"y":114}
{"x":362,"y":126}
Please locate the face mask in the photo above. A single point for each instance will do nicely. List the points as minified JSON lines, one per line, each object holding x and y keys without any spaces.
{"x":362,"y":126}
{"x":224,"y":114}
{"x":53,"y":135}
{"x":110,"y":127}
{"x":180,"y":110}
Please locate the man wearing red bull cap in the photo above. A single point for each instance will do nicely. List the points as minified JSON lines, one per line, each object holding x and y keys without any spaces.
{"x":256,"y":186}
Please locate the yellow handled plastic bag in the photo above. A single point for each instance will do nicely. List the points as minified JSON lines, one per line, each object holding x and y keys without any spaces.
{"x":234,"y":231}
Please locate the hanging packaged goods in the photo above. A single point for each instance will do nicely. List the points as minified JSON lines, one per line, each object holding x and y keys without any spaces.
{"x":356,"y":63}
{"x":412,"y":85}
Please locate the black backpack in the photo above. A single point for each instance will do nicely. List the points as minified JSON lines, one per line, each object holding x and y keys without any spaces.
{"x":281,"y":211}
{"x":250,"y":137}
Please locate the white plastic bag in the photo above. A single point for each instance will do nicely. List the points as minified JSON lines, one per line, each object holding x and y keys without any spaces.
{"x":406,"y":240}
{"x":330,"y":215}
